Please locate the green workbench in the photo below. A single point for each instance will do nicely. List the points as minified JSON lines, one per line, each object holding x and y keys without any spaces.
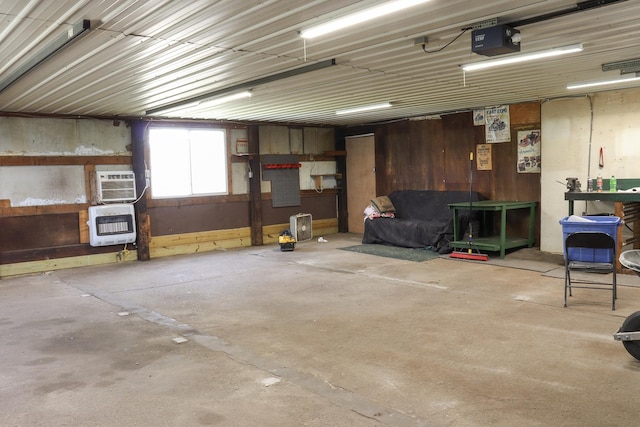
{"x":498,"y":243}
{"x":626,"y":206}
{"x":617,"y":197}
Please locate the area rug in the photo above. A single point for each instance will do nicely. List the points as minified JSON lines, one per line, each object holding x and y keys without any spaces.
{"x":408,"y":254}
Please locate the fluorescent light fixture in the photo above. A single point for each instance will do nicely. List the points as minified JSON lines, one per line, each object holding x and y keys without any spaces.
{"x":364,"y":108}
{"x":359,"y":17}
{"x":243,"y":86}
{"x":522,"y":58}
{"x":225,"y":99}
{"x":206,"y":102}
{"x":63,"y":40}
{"x":623,"y":79}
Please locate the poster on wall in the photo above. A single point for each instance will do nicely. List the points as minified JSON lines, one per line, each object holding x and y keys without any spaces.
{"x":483,"y":154}
{"x":497,"y":126}
{"x":529,"y":151}
{"x":478,"y":117}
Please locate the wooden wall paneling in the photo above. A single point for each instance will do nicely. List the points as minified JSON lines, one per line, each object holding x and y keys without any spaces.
{"x":417,"y":160}
{"x":167,"y":220}
{"x":89,"y":183}
{"x":525,"y":113}
{"x":504,"y":169}
{"x":83,"y":226}
{"x":37,"y":260}
{"x":320,"y":206}
{"x":459,"y":141}
{"x":190,"y":243}
{"x":482,"y":179}
{"x":391,"y":143}
{"x":39,"y":231}
{"x":426,"y":154}
{"x":361,"y":185}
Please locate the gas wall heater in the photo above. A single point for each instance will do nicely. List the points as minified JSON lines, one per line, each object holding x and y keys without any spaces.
{"x":111,"y":225}
{"x":300,"y":226}
{"x":115,"y":186}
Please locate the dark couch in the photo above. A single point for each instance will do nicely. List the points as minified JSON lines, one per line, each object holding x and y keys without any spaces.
{"x":422,"y":220}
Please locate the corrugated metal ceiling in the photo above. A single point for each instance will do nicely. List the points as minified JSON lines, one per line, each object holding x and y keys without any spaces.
{"x":141,"y":55}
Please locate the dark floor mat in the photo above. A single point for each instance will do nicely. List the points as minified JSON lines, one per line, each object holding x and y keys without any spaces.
{"x":408,"y":254}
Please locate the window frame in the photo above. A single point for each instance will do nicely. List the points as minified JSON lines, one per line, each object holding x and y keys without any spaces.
{"x":187,"y":127}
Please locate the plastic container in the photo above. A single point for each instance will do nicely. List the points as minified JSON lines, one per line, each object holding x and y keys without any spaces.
{"x":604,"y":224}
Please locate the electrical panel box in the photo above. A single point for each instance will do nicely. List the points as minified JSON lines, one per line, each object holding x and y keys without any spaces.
{"x":115,"y":186}
{"x":496,"y":40}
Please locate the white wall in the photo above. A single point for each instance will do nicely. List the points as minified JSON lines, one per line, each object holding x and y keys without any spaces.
{"x":63,"y":137}
{"x":571,"y":149}
{"x":48,"y":185}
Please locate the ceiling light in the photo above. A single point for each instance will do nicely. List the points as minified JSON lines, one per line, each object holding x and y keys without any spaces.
{"x":228,"y":98}
{"x":359,"y":17}
{"x":63,"y":40}
{"x":245,"y":86}
{"x":364,"y":108}
{"x":525,"y":57}
{"x":623,"y":79}
{"x":206,"y":103}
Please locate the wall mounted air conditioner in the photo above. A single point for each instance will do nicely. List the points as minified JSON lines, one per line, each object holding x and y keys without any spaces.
{"x":300,"y":227}
{"x":111,"y":225}
{"x":115,"y":186}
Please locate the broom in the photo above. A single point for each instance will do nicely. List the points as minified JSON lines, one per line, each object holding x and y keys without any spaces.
{"x":469,"y":254}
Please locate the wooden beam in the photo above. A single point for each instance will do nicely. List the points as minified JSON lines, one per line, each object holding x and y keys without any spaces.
{"x":143,"y":235}
{"x":205,"y":241}
{"x":31,"y":267}
{"x":63,"y":160}
{"x":83,"y":226}
{"x":42,"y":210}
{"x":255,"y":191}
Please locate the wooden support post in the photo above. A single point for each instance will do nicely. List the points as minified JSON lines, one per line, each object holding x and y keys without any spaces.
{"x":341,"y":166}
{"x":255,"y":192}
{"x":138,"y":131}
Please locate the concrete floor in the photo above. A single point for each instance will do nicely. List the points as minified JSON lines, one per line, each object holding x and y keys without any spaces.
{"x":314,"y":337}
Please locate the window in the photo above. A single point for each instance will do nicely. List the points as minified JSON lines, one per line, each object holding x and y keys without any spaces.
{"x":187,"y":162}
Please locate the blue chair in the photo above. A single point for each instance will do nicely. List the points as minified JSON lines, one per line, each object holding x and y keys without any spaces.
{"x":604,"y":246}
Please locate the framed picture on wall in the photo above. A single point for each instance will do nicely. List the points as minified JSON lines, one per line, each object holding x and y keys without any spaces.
{"x":497,"y":124}
{"x":529,"y":151}
{"x":478,"y":117}
{"x":483,"y":154}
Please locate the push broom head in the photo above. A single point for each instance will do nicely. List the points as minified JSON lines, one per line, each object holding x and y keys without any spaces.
{"x":470,"y":256}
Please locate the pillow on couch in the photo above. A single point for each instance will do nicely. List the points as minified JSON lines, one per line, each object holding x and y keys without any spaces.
{"x":383,"y":204}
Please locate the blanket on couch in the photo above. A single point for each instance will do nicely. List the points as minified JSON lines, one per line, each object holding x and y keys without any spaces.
{"x":422,"y":220}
